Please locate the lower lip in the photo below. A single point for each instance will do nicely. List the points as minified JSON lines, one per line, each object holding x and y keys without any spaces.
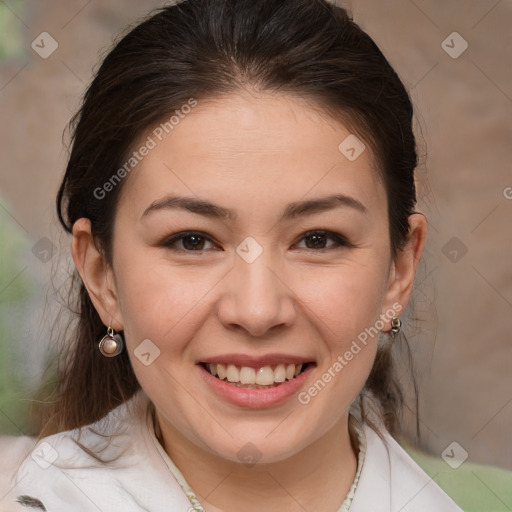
{"x":255,"y":398}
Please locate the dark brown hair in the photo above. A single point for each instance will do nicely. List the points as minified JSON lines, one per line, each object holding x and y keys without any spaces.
{"x":202,"y":49}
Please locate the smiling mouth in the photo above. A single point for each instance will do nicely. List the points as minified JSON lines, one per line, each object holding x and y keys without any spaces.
{"x":264,"y":377}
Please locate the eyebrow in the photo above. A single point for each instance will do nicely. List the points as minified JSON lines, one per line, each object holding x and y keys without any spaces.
{"x":292,"y":210}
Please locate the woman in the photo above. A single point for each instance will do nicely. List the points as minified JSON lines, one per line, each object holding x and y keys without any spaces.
{"x":240,"y":193}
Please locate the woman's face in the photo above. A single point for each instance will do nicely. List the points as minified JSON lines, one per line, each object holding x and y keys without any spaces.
{"x":251,"y":288}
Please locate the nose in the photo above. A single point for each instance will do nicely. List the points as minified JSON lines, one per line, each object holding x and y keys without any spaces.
{"x":257,"y":298}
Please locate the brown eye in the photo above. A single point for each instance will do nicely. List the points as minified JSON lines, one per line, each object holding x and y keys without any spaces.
{"x":317,"y":240}
{"x":190,"y":242}
{"x":193,"y":242}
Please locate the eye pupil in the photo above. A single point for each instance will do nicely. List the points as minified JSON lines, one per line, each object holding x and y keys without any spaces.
{"x":194,"y":245}
{"x":317,"y":239}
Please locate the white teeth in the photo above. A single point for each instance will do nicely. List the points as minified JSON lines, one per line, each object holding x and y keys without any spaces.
{"x":221,"y":371}
{"x":247,"y":376}
{"x":265,"y":376}
{"x":232,"y":373}
{"x":280,"y":373}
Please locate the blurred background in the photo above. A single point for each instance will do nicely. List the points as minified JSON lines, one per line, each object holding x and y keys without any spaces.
{"x":454,"y":56}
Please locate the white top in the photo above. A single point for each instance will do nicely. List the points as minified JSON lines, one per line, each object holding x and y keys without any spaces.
{"x":58,"y":475}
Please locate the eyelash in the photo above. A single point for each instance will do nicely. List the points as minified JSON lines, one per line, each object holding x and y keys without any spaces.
{"x":340,"y":240}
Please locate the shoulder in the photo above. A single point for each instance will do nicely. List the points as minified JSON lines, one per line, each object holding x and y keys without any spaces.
{"x":38,"y":468}
{"x":13,"y":451}
{"x":391,"y":480}
{"x":108,"y":465}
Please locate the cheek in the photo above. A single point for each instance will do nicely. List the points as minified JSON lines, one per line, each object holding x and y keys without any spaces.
{"x":158,"y":302}
{"x":346,"y":299}
{"x":346,"y":305}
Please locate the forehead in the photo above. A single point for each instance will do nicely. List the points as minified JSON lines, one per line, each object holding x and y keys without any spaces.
{"x":253,"y":150}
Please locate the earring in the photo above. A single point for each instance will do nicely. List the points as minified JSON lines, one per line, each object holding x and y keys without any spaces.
{"x":111,"y":344}
{"x":396,"y":325}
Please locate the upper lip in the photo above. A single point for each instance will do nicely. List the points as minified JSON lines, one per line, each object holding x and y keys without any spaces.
{"x":256,"y":361}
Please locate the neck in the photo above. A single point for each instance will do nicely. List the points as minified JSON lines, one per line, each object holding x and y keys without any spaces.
{"x":317,"y":478}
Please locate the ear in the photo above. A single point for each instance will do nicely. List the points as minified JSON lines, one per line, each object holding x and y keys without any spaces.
{"x":97,"y":275}
{"x":403,"y":267}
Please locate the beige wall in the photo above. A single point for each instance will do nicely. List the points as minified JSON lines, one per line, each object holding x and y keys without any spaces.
{"x":462,"y":342}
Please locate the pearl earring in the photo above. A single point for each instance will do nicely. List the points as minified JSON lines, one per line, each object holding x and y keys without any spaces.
{"x":111,"y":344}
